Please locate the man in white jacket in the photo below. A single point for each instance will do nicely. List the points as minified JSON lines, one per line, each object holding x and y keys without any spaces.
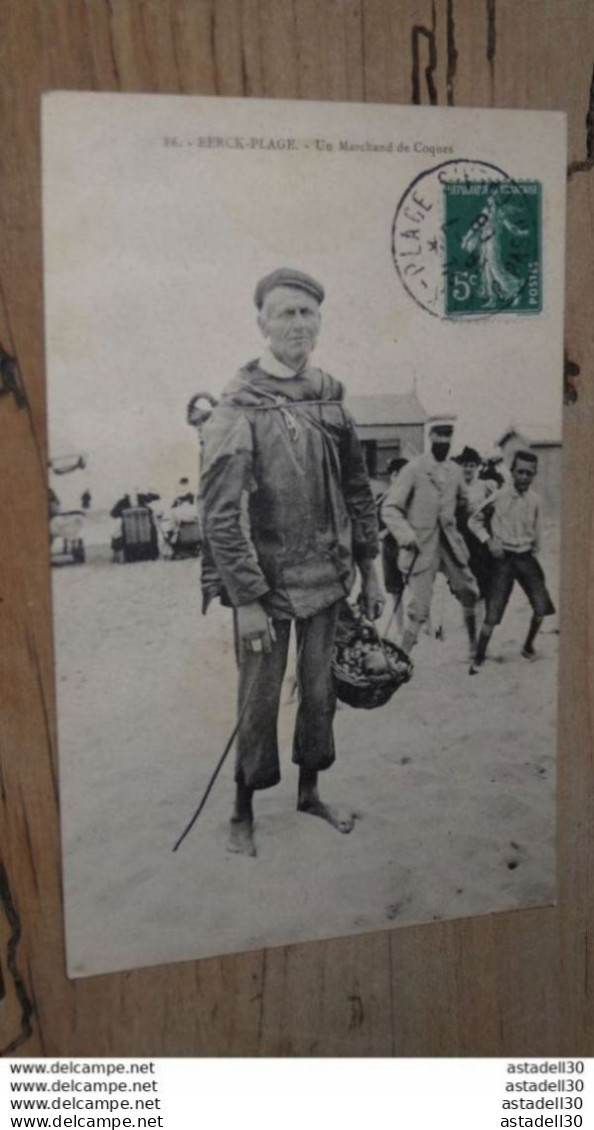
{"x":419,"y":510}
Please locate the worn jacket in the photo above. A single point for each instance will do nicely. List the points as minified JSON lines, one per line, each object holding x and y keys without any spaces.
{"x":287,"y":505}
{"x":422,"y":501}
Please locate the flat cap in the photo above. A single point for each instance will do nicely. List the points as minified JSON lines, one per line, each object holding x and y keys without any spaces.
{"x":287,"y":276}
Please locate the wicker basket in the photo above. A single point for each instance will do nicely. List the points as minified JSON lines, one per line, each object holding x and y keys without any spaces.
{"x":355,"y":687}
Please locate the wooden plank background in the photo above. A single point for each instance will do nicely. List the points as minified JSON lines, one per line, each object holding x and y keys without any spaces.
{"x":507,"y":984}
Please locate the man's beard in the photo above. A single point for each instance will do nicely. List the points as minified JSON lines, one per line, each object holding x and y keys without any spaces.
{"x":440,"y":451}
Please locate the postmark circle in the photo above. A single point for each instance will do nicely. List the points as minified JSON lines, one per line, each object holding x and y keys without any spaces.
{"x":428,"y":248}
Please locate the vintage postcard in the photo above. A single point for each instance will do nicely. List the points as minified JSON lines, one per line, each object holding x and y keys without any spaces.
{"x":305,"y":370}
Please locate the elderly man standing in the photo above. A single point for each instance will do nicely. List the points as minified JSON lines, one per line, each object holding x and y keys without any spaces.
{"x":419,"y":510}
{"x":288,"y":514}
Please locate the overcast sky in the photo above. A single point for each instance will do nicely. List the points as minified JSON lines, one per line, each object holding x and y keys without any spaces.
{"x":152,"y":252}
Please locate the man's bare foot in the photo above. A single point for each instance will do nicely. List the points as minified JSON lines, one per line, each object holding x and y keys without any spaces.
{"x":241,"y":837}
{"x":315,"y":807}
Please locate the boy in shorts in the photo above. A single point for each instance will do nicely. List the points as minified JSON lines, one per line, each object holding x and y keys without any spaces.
{"x":508,"y":523}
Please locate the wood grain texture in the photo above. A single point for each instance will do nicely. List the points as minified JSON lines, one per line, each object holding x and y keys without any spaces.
{"x":505,"y":984}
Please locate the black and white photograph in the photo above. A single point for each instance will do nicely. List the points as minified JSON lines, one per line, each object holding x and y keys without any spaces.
{"x":305,"y":366}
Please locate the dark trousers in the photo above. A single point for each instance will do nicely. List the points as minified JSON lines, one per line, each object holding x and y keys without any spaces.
{"x":261,"y":676}
{"x":527,"y":571}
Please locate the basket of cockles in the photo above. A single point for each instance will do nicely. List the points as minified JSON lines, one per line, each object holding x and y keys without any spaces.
{"x":366,"y":668}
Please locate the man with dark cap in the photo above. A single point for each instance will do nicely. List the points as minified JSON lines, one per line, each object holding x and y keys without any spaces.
{"x":419,"y":510}
{"x":288,"y":513}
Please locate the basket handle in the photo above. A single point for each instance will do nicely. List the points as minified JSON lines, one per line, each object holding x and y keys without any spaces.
{"x":370,"y":624}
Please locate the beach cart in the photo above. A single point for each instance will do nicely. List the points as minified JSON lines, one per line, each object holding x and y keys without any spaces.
{"x":139,"y":535}
{"x":67,"y":545}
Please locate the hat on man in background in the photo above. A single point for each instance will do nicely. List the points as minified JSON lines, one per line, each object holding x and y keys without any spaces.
{"x":394,"y":466}
{"x":468,"y":455}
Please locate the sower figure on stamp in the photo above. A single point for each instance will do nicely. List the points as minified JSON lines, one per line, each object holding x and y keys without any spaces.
{"x":288,"y":513}
{"x":509,"y":524}
{"x":419,"y":510}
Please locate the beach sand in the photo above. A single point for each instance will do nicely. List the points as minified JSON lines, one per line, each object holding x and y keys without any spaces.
{"x":452,"y":782}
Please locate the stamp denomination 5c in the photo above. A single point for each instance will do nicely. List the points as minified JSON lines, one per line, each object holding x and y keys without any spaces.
{"x":466,"y":241}
{"x":493,"y":247}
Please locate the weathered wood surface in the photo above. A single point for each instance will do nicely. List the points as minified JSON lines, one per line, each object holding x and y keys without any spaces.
{"x":501,"y":985}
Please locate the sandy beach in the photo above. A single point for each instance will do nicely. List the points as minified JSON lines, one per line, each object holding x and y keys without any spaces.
{"x":452,"y":782}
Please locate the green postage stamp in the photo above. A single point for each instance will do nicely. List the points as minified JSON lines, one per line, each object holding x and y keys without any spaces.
{"x":493,"y":247}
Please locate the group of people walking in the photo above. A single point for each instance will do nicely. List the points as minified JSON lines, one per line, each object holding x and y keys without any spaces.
{"x":438,"y":514}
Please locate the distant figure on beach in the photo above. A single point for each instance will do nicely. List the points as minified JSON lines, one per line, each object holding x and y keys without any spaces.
{"x":132,"y":500}
{"x":54,"y":503}
{"x":185,"y":495}
{"x":288,"y":514}
{"x":181,"y":527}
{"x":508,"y":523}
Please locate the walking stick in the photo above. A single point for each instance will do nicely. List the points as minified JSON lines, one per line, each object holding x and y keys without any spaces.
{"x":405,"y":579}
{"x":439,"y":631}
{"x":222,"y":758}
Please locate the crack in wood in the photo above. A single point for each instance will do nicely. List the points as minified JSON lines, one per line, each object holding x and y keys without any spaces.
{"x":263,"y":972}
{"x":112,"y":51}
{"x":418,"y":33}
{"x":491,"y":31}
{"x":363,"y":55}
{"x":261,"y":53}
{"x":491,"y":44}
{"x":10,"y":378}
{"x":357,"y":1011}
{"x":588,"y":164}
{"x":296,"y":45}
{"x":245,"y":82}
{"x":2,"y":785}
{"x":175,"y":53}
{"x":33,"y":995}
{"x":145,"y":41}
{"x":571,"y":370}
{"x":391,"y":997}
{"x":29,"y":842}
{"x":12,"y":382}
{"x":32,"y":649}
{"x":213,"y":46}
{"x":452,"y":53}
{"x":27,"y":1008}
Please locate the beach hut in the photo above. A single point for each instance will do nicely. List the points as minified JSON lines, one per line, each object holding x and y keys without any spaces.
{"x":390,"y":426}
